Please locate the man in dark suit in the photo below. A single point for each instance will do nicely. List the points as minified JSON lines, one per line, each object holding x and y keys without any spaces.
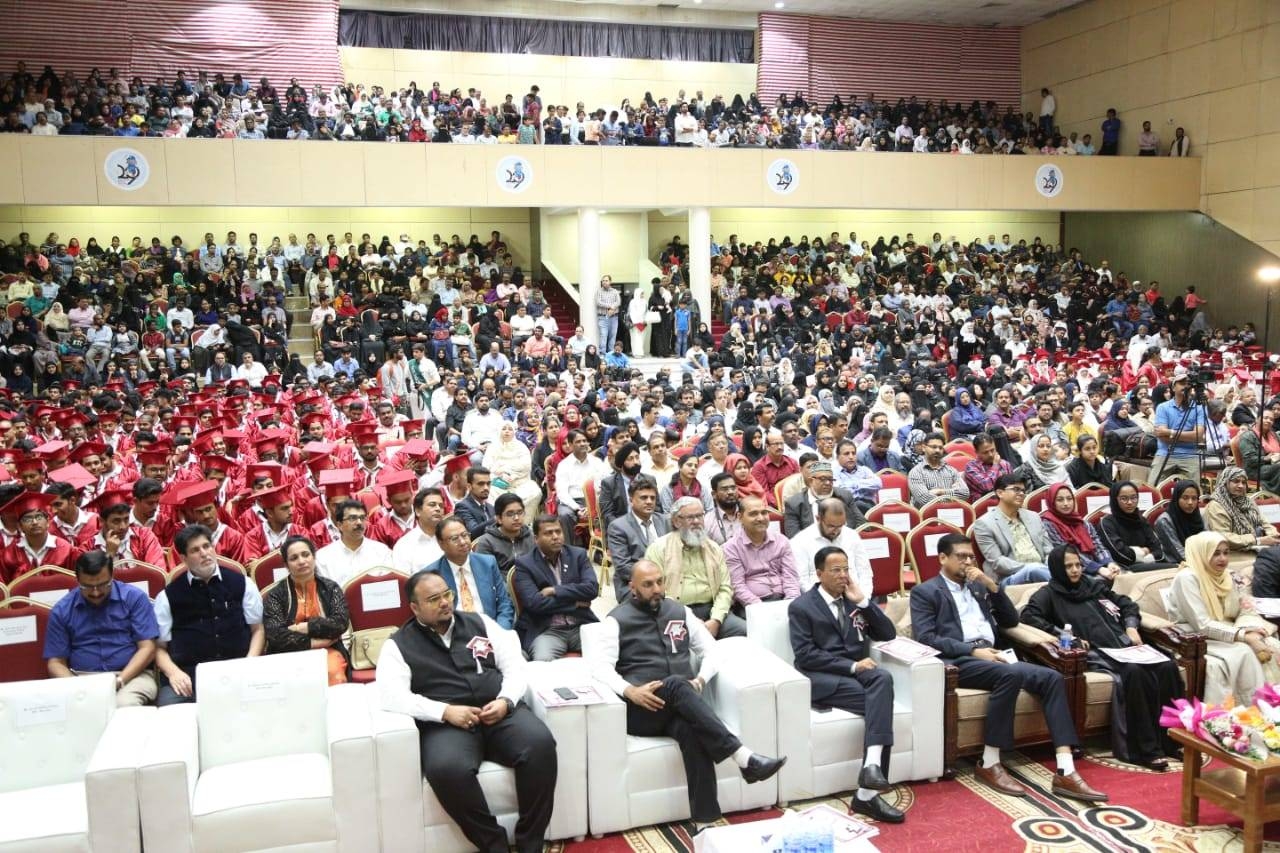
{"x":615,"y":489}
{"x":474,"y":510}
{"x":629,"y":535}
{"x":555,"y":585}
{"x":958,"y":613}
{"x":798,"y":510}
{"x":477,"y":585}
{"x":832,"y":626}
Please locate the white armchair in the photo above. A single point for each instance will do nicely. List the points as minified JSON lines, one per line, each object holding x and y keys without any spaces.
{"x":412,"y":819}
{"x":824,"y":749}
{"x":68,"y":766}
{"x":639,"y":781}
{"x":270,"y":758}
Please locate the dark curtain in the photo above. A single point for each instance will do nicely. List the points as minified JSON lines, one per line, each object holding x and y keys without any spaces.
{"x":358,"y":28}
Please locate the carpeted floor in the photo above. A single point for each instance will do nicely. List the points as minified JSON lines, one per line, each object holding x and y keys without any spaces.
{"x":960,"y":814}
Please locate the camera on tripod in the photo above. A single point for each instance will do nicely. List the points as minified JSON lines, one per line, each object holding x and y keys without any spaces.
{"x":1200,"y":375}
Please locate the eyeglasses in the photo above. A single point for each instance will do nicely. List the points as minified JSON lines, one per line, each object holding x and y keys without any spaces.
{"x":447,"y":595}
{"x":458,"y":537}
{"x":1127,"y":499}
{"x":356,"y":518}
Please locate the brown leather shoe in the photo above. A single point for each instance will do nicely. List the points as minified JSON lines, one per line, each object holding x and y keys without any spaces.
{"x":1076,"y":788}
{"x":997,"y":777}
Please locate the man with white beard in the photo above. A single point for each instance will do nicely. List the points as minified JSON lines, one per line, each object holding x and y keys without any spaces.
{"x":694,"y":569}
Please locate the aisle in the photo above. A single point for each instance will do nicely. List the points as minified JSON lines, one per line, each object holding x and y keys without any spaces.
{"x":963,"y":815}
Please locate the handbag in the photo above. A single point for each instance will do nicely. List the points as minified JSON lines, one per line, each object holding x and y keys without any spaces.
{"x":652,"y":317}
{"x":366,"y":645}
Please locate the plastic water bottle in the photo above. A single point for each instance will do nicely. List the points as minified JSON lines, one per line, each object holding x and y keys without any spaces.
{"x":1066,"y":638}
{"x":791,"y":842}
{"x":811,"y":841}
{"x":827,"y":840}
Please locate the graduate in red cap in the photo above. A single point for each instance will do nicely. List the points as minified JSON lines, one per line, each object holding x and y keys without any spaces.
{"x":30,"y":473}
{"x":68,"y":519}
{"x":337,"y":484}
{"x":197,"y":503}
{"x":274,"y":524}
{"x":370,"y":466}
{"x":399,"y":488}
{"x":36,"y":546}
{"x":117,"y":536}
{"x":455,"y":480}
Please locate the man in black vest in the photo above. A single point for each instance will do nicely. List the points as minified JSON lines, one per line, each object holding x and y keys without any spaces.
{"x":461,"y":677}
{"x":645,"y":656}
{"x":832,"y":626}
{"x":204,"y":614}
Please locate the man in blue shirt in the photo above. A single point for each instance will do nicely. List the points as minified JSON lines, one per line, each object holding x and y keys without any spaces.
{"x":109,"y":626}
{"x":1176,"y":450}
{"x":1110,"y":135}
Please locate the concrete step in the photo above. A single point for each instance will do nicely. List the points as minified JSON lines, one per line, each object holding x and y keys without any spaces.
{"x":297,"y":303}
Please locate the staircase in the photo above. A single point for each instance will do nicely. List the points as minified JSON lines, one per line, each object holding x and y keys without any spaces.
{"x":563,"y":306}
{"x":300,"y":339}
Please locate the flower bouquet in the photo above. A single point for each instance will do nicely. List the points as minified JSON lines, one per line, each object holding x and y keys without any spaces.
{"x":1226,"y":725}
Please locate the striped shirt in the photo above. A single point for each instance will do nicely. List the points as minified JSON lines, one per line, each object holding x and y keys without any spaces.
{"x":924,"y":479}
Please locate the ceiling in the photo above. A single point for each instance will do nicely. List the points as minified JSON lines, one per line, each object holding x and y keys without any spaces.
{"x":957,"y":12}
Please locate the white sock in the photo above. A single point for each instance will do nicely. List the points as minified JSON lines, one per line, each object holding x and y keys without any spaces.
{"x":741,"y":756}
{"x":1066,"y":764}
{"x":867,"y":795}
{"x":990,"y":756}
{"x":873,"y":756}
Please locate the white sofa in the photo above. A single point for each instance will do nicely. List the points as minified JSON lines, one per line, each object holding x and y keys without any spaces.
{"x":270,"y":758}
{"x":410,"y":817}
{"x":639,"y":781}
{"x":824,"y":749}
{"x":68,"y":766}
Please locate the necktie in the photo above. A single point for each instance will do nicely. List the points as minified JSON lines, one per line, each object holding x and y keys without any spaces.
{"x":842,"y":616}
{"x":648,"y":533}
{"x":464,"y":593}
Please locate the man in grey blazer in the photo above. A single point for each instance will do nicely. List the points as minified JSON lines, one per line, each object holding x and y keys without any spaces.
{"x":613,"y":492}
{"x":1012,"y":539}
{"x":820,"y":485}
{"x":629,"y":535}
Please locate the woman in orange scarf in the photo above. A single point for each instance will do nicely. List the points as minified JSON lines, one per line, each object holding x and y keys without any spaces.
{"x":740,"y":467}
{"x":306,"y":611}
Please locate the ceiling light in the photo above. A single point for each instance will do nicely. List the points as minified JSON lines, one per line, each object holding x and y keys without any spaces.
{"x":779,"y":5}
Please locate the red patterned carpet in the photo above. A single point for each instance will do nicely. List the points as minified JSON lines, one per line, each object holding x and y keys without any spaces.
{"x":960,"y":814}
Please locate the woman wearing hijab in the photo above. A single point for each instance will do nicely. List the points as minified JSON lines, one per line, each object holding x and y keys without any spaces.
{"x":1260,"y":449}
{"x":753,"y":444}
{"x":1181,"y":519}
{"x":1103,"y":619}
{"x":1204,"y":599}
{"x":967,"y":418}
{"x":1233,"y":515}
{"x":748,"y":486}
{"x":1087,"y":466}
{"x":1041,"y":467}
{"x":510,"y":462}
{"x":1128,"y":535}
{"x":684,"y":484}
{"x":1064,"y":526}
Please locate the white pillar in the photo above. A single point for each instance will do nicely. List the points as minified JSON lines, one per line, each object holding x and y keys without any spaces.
{"x":700,"y":259}
{"x":588,"y":270}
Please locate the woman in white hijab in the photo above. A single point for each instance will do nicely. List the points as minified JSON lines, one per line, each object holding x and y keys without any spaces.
{"x":966,"y":148}
{"x":637,"y":309}
{"x":510,"y":463}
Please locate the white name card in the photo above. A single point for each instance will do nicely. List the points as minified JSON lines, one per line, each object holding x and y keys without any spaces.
{"x":21,"y":629}
{"x":277,"y":574}
{"x":48,"y":596}
{"x":894,"y":494}
{"x":899,"y":521}
{"x":383,"y":595}
{"x":252,"y":690}
{"x":1146,"y":501}
{"x":142,"y":585}
{"x":1270,"y":512}
{"x":952,"y":515}
{"x":877,"y":548}
{"x":39,"y":710}
{"x":931,"y":544}
{"x":1095,"y":502}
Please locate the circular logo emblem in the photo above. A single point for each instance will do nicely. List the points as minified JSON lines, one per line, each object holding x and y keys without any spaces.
{"x":514,"y":174}
{"x":782,"y":177}
{"x":1049,"y":180}
{"x":127,"y":169}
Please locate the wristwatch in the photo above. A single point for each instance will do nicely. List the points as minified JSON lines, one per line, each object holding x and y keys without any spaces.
{"x":119,"y":683}
{"x":511,"y":706}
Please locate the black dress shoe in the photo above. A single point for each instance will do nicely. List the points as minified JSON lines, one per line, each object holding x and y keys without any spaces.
{"x":760,"y":767}
{"x":872,"y":778}
{"x":877,"y":809}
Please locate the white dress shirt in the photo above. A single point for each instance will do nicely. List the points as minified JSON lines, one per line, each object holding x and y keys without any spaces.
{"x":415,"y":551}
{"x":394,"y":675}
{"x":808,"y":542}
{"x":974,"y":624}
{"x":480,"y":429}
{"x":340,"y":564}
{"x":251,"y":604}
{"x":604,"y":661}
{"x":572,"y":475}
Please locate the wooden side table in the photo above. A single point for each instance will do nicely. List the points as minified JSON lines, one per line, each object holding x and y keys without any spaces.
{"x":1248,"y":789}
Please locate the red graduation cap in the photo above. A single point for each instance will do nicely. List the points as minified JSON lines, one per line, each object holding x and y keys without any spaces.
{"x":274,"y":496}
{"x":401,"y":482}
{"x":197,"y":495}
{"x":74,"y":475}
{"x":53,"y":450}
{"x":214,"y":462}
{"x":416,"y":448}
{"x":271,"y":470}
{"x":28,"y":502}
{"x":113,"y":497}
{"x":338,"y":482}
{"x":154,"y":456}
{"x":88,"y":448}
